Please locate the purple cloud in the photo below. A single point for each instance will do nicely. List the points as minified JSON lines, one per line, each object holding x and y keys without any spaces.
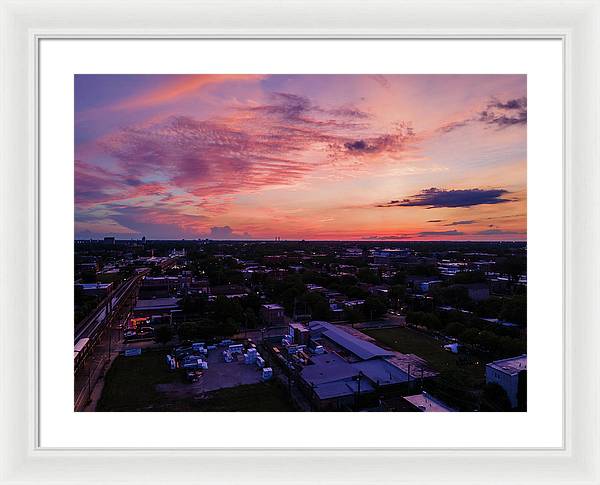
{"x":453,"y":232}
{"x":435,"y":198}
{"x":496,"y":113}
{"x":494,"y":232}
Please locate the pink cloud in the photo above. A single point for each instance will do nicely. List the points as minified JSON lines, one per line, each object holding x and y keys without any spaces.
{"x":254,"y":148}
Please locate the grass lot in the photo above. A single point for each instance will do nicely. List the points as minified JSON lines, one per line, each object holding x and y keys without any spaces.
{"x":264,"y":397}
{"x":130,"y":385}
{"x":409,"y":341}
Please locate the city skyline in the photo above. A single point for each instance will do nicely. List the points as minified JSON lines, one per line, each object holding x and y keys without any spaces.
{"x":314,"y":157}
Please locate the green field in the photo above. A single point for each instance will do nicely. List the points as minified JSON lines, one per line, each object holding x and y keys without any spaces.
{"x":130,"y":385}
{"x":409,"y":341}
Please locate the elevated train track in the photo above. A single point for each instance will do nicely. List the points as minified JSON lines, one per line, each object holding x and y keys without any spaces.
{"x":92,"y":327}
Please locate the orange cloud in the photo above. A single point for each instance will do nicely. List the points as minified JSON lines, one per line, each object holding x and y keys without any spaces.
{"x":181,"y":86}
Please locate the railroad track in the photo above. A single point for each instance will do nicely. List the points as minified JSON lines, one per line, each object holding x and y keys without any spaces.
{"x":96,"y":320}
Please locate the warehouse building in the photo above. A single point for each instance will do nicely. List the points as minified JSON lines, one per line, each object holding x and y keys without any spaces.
{"x":353,"y":372}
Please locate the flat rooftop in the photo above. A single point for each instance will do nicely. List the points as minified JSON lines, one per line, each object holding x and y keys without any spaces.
{"x":327,"y":368}
{"x":94,"y":286}
{"x":428,"y":404}
{"x":156,"y":304}
{"x":272,"y":306}
{"x":342,"y":388}
{"x":511,"y":366}
{"x":381,"y":372}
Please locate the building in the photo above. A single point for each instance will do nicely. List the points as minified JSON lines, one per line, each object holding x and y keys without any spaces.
{"x":427,"y":286}
{"x":478,"y":291}
{"x":155,"y":307}
{"x":299,"y":334}
{"x":334,"y":383}
{"x":390,"y":256}
{"x":228,"y":291}
{"x":511,"y":375}
{"x":272,"y":314}
{"x":426,"y":403}
{"x":95,"y":289}
{"x":353,"y":372}
{"x":158,"y":286}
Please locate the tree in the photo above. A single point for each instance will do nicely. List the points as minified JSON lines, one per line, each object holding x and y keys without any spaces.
{"x":494,"y":398}
{"x":89,"y":276}
{"x":319,"y":306}
{"x":489,"y":340}
{"x":467,"y":277}
{"x":163,"y":334}
{"x":429,"y":320}
{"x":354,"y":315}
{"x":224,"y":308}
{"x":513,"y":266}
{"x":368,"y":276}
{"x":454,"y":329}
{"x":514,"y":310}
{"x":194,"y":304}
{"x":374,"y":307}
{"x":205,"y":328}
{"x":396,"y":294}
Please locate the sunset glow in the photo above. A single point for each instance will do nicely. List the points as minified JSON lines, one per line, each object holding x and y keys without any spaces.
{"x":315,"y":157}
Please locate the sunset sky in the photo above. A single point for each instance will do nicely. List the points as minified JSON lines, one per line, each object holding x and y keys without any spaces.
{"x":322,"y":157}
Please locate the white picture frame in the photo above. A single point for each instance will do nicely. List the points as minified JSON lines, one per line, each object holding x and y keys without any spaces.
{"x":24,"y":23}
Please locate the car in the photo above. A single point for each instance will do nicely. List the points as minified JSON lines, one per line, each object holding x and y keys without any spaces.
{"x":193,"y":375}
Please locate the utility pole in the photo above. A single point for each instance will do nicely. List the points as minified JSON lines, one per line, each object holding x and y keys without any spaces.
{"x":358,"y":396}
{"x":89,"y":383}
{"x":109,"y":339}
{"x":294,"y":312}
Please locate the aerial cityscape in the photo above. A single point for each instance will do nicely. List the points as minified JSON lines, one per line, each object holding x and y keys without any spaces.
{"x":300,"y":243}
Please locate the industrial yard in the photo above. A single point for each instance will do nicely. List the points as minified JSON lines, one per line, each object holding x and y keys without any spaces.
{"x":145,"y":383}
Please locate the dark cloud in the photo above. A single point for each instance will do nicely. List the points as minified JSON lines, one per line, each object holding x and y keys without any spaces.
{"x":381,"y":80}
{"x":503,"y":120}
{"x":226,"y":232}
{"x":500,"y":114}
{"x":348,"y":112}
{"x":453,"y":232}
{"x":221,"y":232}
{"x":434,"y":197}
{"x":496,"y":232}
{"x":512,"y":104}
{"x":434,"y":220}
{"x":388,"y":238}
{"x":461,"y":223}
{"x":396,"y":141}
{"x":297,"y":109}
{"x":359,"y":145}
{"x":448,"y":127}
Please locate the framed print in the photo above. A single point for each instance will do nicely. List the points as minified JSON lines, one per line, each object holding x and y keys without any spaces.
{"x":365,"y":247}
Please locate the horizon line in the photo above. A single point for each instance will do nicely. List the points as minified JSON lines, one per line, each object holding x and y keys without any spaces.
{"x":308,"y":240}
